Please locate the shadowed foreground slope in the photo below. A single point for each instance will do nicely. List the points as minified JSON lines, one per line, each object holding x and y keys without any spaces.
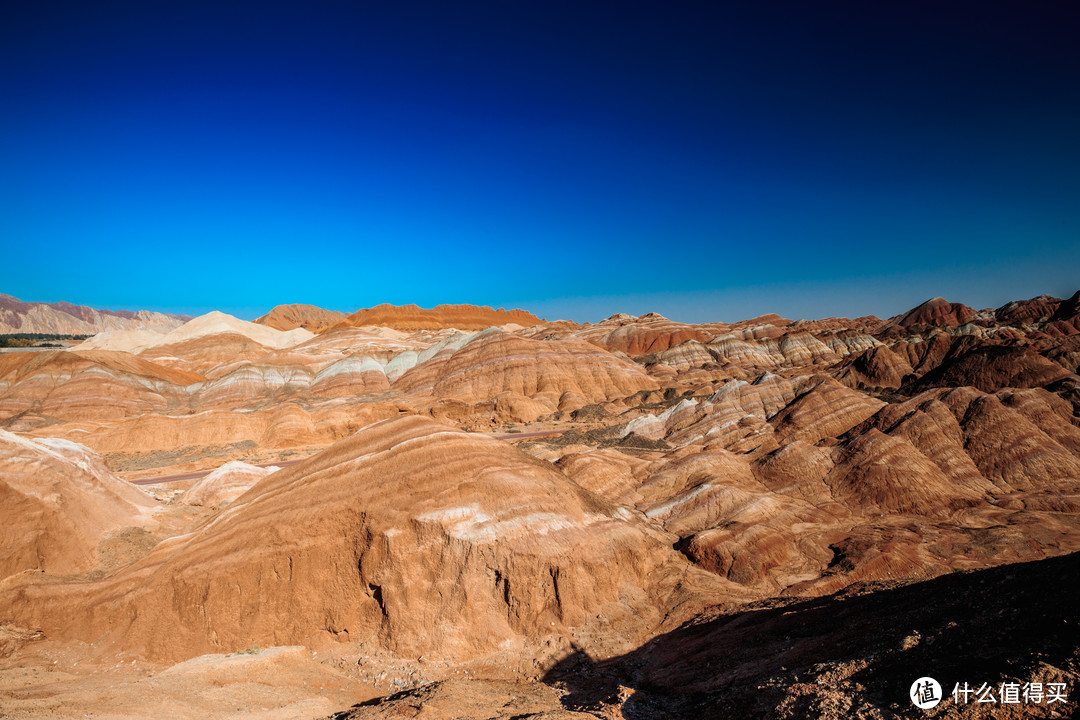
{"x":852,"y":654}
{"x":856,"y":653}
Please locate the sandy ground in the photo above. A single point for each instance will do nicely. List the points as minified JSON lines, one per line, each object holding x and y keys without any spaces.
{"x":45,"y":680}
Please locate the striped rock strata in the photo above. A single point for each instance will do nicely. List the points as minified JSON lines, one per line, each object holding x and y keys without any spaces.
{"x":408,"y":536}
{"x":58,"y":501}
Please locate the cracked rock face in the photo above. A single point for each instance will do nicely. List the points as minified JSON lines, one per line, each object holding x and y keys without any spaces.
{"x":60,"y":502}
{"x":408,"y":535}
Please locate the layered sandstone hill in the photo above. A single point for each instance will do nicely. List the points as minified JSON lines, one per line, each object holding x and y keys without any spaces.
{"x":150,"y":444}
{"x":666,"y":467}
{"x":221,"y":345}
{"x":218,"y":377}
{"x":58,"y":501}
{"x":408,"y":536}
{"x":804,"y":486}
{"x":935,"y":312}
{"x":561,"y":374}
{"x":649,"y":333}
{"x":309,"y":317}
{"x":211,"y":324}
{"x":66,"y":319}
{"x":725,"y":350}
{"x":37,"y":389}
{"x":460,"y":317}
{"x":225,"y":484}
{"x":1013,"y":346}
{"x":129,"y":341}
{"x":1029,"y":343}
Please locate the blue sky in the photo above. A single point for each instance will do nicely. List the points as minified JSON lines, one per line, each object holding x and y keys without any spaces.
{"x":703,"y":160}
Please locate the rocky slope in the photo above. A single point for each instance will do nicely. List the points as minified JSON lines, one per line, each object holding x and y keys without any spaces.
{"x":408,"y":536}
{"x":512,"y":499}
{"x":308,"y":317}
{"x":59,"y":502}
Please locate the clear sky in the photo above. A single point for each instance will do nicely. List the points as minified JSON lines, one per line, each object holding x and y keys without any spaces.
{"x":706,"y":160}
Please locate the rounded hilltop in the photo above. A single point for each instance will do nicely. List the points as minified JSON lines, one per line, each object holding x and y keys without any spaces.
{"x":461,"y":317}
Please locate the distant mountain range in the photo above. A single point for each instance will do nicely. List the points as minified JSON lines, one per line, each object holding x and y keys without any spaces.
{"x":62,"y":318}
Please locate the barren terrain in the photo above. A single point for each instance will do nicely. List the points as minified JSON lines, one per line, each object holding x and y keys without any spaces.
{"x":475,"y":513}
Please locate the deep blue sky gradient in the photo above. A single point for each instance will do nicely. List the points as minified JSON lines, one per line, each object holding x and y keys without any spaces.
{"x":709,"y":161}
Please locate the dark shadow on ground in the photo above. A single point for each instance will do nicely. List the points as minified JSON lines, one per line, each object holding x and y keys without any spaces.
{"x":854,"y":653}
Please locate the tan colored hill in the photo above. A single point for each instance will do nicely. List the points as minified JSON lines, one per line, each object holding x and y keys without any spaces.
{"x":156,"y":444}
{"x":649,"y":333}
{"x":58,"y":501}
{"x":38,"y":389}
{"x":461,"y":317}
{"x":308,"y":317}
{"x":562,"y":374}
{"x":408,"y":536}
{"x":208,"y":325}
{"x":64,"y":318}
{"x":225,"y":484}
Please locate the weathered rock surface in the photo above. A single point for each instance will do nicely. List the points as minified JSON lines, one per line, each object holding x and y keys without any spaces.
{"x":39,"y":388}
{"x":58,"y":502}
{"x":855,"y":654}
{"x":409,"y":536}
{"x":644,"y":469}
{"x":635,"y":336}
{"x":494,"y":362}
{"x":475,"y":699}
{"x":209,"y":325}
{"x":308,"y":317}
{"x":936,"y":312}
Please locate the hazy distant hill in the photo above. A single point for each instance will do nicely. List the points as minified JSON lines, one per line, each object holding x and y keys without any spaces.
{"x":63,"y":318}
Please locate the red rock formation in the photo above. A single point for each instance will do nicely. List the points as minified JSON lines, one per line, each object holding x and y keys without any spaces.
{"x":609,"y":473}
{"x":876,"y":368}
{"x":149,"y":441}
{"x":408,"y":536}
{"x":635,"y":336}
{"x":825,"y":410}
{"x":1010,"y":450}
{"x":935,"y":312}
{"x":684,"y":356}
{"x":778,"y":458}
{"x":776,"y":351}
{"x":309,"y":317}
{"x":494,"y":362}
{"x":38,"y":388}
{"x":991,"y":367}
{"x":1036,"y":310}
{"x":924,"y":355}
{"x":462,"y":317}
{"x":888,"y":474}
